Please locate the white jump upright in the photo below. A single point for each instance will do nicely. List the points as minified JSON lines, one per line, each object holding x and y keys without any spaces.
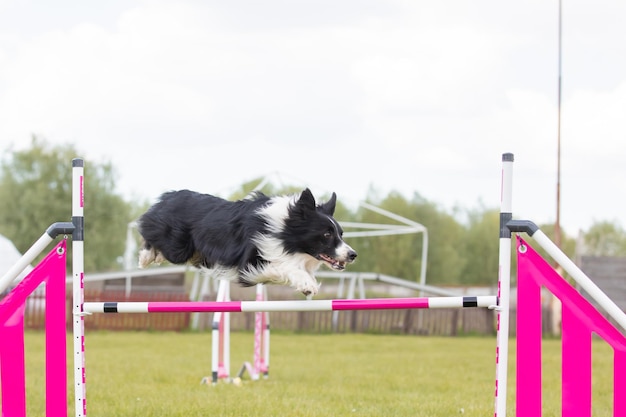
{"x":504,"y":286}
{"x":78,"y":284}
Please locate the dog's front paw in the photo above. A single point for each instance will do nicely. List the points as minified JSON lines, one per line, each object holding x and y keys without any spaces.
{"x":308,"y":287}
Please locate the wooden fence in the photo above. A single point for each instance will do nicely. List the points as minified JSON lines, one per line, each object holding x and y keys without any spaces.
{"x":34,"y":317}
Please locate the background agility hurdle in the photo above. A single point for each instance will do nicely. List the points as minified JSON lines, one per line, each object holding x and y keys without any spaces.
{"x":220,"y":341}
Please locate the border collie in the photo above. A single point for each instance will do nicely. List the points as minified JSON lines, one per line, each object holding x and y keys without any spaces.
{"x":261,"y":239}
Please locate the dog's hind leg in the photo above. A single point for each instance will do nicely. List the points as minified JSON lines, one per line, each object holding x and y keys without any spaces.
{"x":148,"y":256}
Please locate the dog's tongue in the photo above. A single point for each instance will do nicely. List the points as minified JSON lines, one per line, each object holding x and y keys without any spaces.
{"x":335,"y":264}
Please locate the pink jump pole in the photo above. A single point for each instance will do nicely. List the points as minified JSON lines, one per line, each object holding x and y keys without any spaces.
{"x":487,"y":301}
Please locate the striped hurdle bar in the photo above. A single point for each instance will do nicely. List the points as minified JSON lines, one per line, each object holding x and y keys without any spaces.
{"x":487,"y":301}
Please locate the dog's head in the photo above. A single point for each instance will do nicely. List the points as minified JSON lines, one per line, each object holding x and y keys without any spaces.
{"x":311,"y":229}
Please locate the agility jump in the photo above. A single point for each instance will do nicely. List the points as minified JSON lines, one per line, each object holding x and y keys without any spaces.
{"x":580,"y":318}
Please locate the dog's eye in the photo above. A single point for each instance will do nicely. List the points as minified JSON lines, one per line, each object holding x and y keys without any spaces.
{"x":327,"y":235}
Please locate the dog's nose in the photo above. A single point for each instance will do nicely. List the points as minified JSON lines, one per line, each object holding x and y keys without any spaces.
{"x":352,"y":255}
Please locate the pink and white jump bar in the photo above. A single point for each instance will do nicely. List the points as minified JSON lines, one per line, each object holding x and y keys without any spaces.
{"x":297,"y":305}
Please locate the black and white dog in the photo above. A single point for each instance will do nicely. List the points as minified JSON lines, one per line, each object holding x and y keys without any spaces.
{"x":278,"y":240}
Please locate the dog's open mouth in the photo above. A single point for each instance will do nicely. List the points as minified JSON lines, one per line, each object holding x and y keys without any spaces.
{"x":334,"y":264}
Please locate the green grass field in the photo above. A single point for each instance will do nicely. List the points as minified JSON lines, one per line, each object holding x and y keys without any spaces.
{"x":158,"y":374}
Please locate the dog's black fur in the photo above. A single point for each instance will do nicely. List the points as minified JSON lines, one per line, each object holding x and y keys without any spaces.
{"x":261,"y":239}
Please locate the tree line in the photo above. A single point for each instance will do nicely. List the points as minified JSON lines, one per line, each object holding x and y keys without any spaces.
{"x":35,"y":191}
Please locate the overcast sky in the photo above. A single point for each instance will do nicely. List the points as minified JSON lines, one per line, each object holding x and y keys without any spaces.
{"x":413,"y":96}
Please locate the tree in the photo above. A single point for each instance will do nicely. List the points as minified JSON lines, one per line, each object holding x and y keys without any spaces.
{"x":36,"y":191}
{"x":445,"y":242}
{"x":401,"y":255}
{"x":480,"y":248}
{"x":605,"y":239}
{"x":396,"y":255}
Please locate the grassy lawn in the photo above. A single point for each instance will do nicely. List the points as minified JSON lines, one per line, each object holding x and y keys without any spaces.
{"x":158,"y":374}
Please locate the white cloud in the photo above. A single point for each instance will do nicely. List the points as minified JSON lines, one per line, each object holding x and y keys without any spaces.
{"x":403,"y":95}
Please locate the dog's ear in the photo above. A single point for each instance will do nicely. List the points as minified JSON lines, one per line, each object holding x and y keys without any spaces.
{"x":329,"y":206}
{"x":306,"y":200}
